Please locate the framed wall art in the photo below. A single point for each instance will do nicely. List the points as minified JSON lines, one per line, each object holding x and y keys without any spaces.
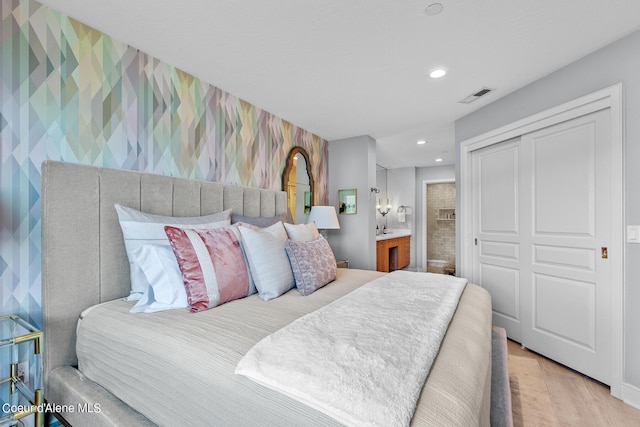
{"x":347,"y":201}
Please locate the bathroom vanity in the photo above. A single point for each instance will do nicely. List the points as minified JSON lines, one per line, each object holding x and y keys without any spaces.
{"x":393,"y":250}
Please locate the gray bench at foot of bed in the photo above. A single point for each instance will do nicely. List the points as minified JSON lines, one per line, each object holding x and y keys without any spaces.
{"x":87,"y":394}
{"x":501,"y":415}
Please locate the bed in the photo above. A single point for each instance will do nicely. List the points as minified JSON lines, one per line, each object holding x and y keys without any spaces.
{"x":86,"y":275}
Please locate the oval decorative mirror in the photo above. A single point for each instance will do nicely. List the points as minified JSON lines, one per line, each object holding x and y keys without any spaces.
{"x":297,"y":181}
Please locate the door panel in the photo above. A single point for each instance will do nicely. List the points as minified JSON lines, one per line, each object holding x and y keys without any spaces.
{"x":499,"y":196}
{"x":496,"y":225}
{"x":504,"y":286}
{"x":556,"y":256}
{"x":568,"y":290}
{"x":565,"y":309}
{"x":564,"y":179}
{"x":508,"y":251}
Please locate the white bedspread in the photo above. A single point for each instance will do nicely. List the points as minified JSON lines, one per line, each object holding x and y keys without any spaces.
{"x":364,"y":358}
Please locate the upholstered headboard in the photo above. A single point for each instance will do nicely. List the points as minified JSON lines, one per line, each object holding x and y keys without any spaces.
{"x":83,"y":256}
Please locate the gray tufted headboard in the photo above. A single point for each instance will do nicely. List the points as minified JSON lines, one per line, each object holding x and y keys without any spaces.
{"x":83,"y":256}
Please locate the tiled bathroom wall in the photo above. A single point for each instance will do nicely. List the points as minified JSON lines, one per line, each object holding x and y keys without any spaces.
{"x":441,"y":226}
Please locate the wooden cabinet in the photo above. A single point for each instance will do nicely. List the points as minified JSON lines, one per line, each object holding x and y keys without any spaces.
{"x":393,"y":254}
{"x":382,"y":256}
{"x":404,"y":251}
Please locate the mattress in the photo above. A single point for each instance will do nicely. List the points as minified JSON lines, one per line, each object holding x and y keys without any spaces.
{"x":177,"y":367}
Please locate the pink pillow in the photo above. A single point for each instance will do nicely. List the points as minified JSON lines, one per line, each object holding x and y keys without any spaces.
{"x":212,"y":264}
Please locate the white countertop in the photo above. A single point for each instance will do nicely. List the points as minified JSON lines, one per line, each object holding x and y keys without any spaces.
{"x":393,"y":233}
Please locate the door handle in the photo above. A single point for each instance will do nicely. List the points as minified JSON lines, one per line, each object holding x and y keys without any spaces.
{"x":605,"y":252}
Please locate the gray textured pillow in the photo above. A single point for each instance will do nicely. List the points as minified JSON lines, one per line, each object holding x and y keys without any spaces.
{"x":258,"y":221}
{"x":312,"y":262}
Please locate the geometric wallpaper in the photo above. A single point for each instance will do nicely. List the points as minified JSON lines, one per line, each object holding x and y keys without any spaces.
{"x":71,"y":93}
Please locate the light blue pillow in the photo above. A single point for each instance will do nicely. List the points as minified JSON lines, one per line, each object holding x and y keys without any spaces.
{"x":268,"y":262}
{"x":165,"y":286}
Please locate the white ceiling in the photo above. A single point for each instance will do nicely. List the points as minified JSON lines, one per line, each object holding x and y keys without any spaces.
{"x":343,"y":68}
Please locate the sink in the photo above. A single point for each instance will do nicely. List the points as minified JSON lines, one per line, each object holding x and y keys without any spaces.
{"x":393,"y":234}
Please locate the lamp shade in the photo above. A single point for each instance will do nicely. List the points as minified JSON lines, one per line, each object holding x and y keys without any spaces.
{"x":325,"y":217}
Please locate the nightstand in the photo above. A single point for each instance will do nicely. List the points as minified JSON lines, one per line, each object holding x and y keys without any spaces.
{"x":19,"y":398}
{"x":342,"y":263}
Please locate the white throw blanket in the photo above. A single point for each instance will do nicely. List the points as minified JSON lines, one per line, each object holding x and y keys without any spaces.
{"x":364,"y":358}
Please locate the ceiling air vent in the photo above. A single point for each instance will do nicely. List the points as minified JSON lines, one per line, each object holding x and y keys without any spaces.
{"x":469,"y":99}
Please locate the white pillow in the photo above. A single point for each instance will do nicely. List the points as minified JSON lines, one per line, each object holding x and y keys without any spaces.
{"x":140,"y":228}
{"x":302,"y":232}
{"x":165,"y":288}
{"x":268,"y":261}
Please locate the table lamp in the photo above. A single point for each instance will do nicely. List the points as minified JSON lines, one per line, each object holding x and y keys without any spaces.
{"x":325,"y":218}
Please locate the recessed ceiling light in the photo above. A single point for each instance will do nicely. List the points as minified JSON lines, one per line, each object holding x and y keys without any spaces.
{"x":434,"y":9}
{"x":439,"y":159}
{"x":421,"y":142}
{"x":437,"y":73}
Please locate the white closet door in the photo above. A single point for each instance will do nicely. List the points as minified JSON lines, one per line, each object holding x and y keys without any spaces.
{"x":496,"y":192}
{"x":566,"y":298}
{"x":542,"y":223}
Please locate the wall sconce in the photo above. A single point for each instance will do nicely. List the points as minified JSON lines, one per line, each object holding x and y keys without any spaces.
{"x":386,"y":210}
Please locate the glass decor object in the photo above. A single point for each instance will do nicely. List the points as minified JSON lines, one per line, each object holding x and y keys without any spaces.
{"x":21,"y":388}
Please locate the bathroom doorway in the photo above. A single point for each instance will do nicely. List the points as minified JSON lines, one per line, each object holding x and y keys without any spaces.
{"x":440,"y":226}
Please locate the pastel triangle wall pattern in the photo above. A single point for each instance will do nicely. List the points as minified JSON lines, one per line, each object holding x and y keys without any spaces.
{"x":71,"y":93}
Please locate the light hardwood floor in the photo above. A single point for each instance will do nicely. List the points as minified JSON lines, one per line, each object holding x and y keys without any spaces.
{"x":545,"y":393}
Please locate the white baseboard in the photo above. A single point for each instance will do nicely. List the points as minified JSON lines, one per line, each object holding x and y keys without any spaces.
{"x":631,"y":395}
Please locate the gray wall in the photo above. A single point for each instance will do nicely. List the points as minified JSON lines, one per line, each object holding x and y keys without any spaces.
{"x":618,"y":62}
{"x":352,"y":164}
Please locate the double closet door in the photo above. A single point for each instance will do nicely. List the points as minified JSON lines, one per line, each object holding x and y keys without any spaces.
{"x":542,"y":228}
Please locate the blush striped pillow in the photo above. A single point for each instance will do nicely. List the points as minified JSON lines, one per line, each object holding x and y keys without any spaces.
{"x":213,"y":267}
